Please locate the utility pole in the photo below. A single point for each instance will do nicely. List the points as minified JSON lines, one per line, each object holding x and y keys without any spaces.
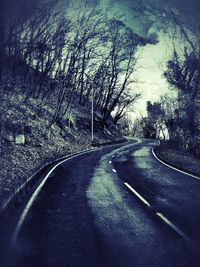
{"x":92,"y":112}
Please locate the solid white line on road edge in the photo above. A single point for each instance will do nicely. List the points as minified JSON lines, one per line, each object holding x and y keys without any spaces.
{"x":114,"y":170}
{"x":37,"y":191}
{"x":175,"y":228}
{"x":138,"y":195}
{"x":29,"y":204}
{"x":174,"y":168}
{"x":34,"y":196}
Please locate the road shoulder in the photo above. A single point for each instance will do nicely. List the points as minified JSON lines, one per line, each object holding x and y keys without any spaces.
{"x":180,"y":159}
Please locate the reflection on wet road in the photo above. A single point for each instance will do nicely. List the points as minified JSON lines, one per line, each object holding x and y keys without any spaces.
{"x":115,"y":206}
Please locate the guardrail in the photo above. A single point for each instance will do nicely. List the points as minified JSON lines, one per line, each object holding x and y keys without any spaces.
{"x":19,"y":195}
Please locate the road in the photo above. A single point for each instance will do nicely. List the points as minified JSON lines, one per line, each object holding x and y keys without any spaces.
{"x":115,"y":206}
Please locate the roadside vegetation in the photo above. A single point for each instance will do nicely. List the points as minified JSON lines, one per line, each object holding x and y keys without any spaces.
{"x":179,"y":158}
{"x":175,"y":118}
{"x":55,"y":61}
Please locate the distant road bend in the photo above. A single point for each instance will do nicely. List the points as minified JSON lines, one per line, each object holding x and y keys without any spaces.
{"x":114,"y":206}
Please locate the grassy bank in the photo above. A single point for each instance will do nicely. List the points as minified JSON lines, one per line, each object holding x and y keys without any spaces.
{"x":42,"y":144}
{"x":179,"y":158}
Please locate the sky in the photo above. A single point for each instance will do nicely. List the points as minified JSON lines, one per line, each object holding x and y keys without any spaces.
{"x":151,"y":83}
{"x":152,"y":58}
{"x":142,"y":17}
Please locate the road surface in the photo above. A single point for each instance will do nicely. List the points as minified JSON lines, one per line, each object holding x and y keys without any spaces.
{"x":115,"y":206}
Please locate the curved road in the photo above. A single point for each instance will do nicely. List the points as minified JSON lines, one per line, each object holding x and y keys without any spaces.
{"x":115,"y":206}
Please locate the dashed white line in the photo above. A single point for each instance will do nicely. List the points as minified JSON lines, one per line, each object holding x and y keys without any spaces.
{"x":114,"y":170}
{"x":37,"y":191}
{"x":163,"y":218}
{"x":110,"y":161}
{"x":175,"y":228}
{"x":137,"y":194}
{"x":174,"y":168}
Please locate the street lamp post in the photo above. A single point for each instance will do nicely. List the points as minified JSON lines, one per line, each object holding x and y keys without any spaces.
{"x":92,"y":117}
{"x":92,"y":112}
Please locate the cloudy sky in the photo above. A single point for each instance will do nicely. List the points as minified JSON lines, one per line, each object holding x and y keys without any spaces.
{"x":153,"y":58}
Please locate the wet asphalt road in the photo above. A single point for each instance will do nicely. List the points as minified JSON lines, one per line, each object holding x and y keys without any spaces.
{"x":85,"y":215}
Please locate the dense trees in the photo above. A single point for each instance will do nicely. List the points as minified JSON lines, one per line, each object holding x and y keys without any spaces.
{"x":160,"y":119}
{"x":184,"y":75}
{"x":74,"y":55}
{"x":179,"y":115}
{"x":153,"y":124}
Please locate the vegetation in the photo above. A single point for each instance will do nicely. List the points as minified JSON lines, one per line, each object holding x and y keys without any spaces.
{"x":179,"y":158}
{"x":75,"y":55}
{"x":177,"y":118}
{"x":180,"y":117}
{"x":55,"y":60}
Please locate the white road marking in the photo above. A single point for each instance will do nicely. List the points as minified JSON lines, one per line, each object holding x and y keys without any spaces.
{"x":37,"y":191}
{"x":164,"y":219}
{"x":137,"y":194}
{"x":175,"y":228}
{"x":114,"y":170}
{"x":110,"y":162}
{"x":174,"y":168}
{"x":34,"y":196}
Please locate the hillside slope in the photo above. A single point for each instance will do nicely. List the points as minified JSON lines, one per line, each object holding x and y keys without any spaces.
{"x":29,"y":120}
